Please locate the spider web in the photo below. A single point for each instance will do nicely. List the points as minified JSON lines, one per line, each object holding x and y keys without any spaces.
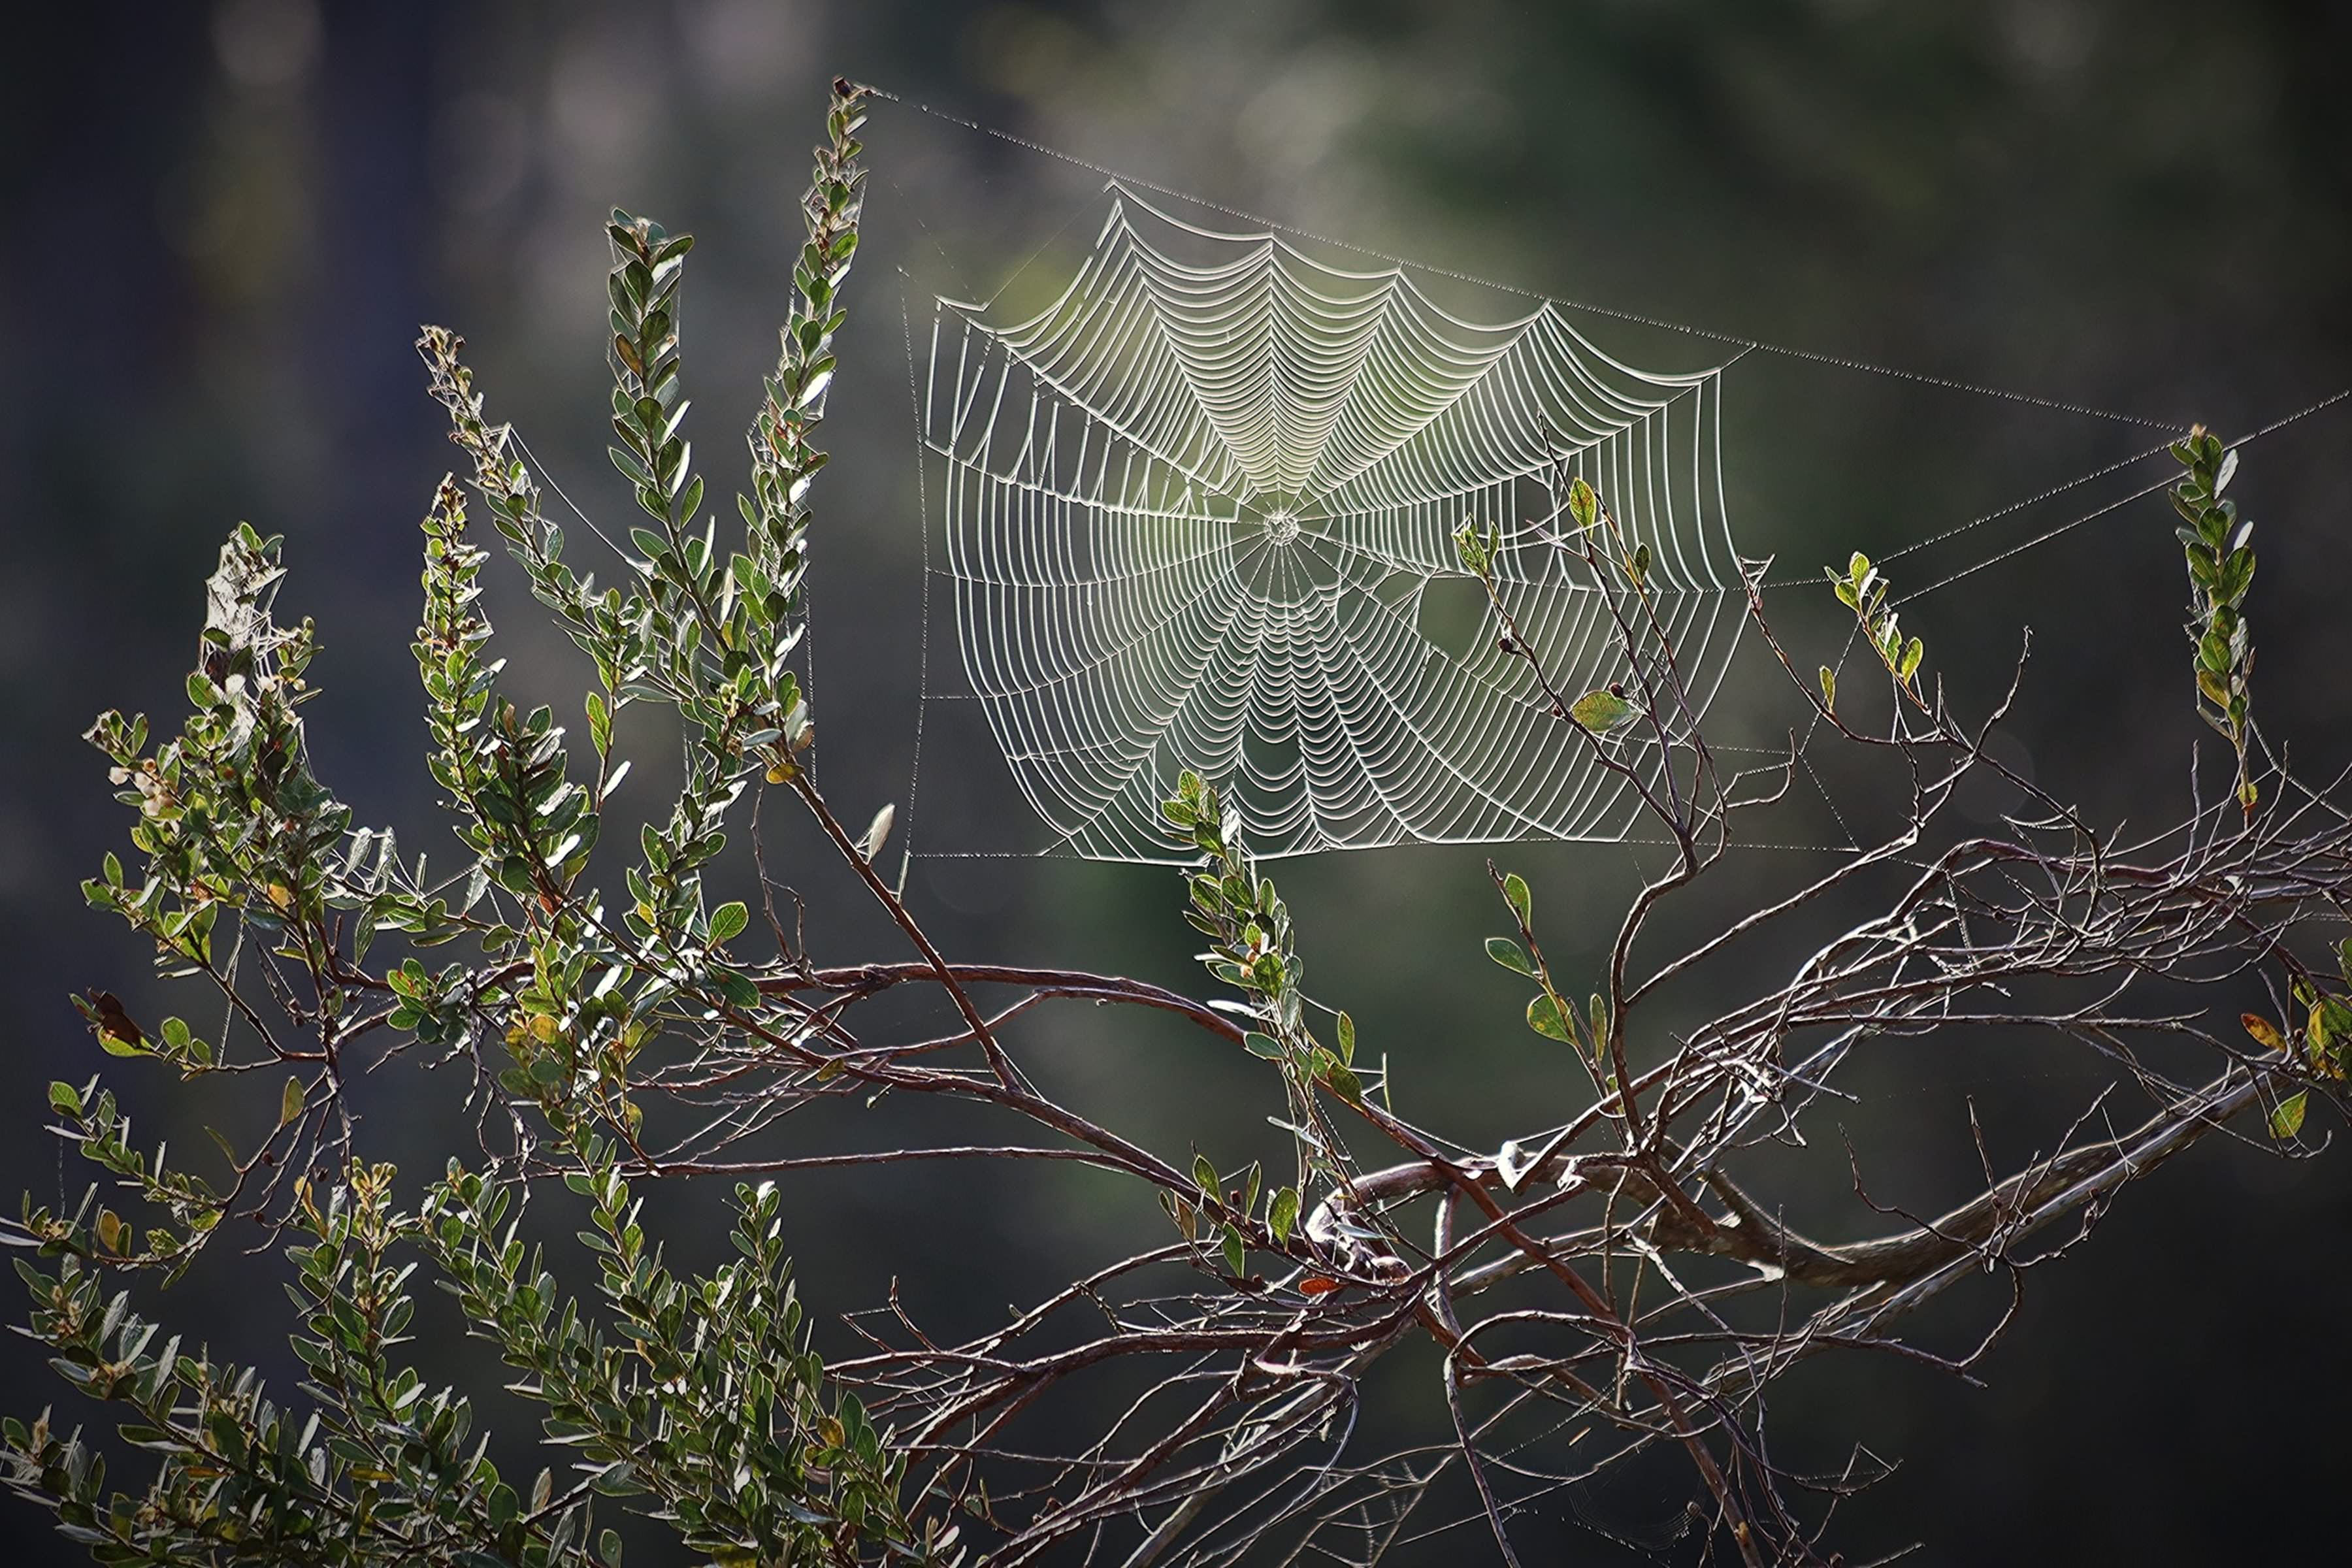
{"x":1199,"y":512}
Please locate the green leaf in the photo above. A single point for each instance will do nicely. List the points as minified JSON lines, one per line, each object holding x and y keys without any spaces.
{"x":1640,"y":566}
{"x":1913,"y":652}
{"x":1602,"y":712}
{"x":1510,"y":955}
{"x":2286,"y":1120}
{"x":290,"y":1103}
{"x":1342,"y":1080}
{"x":1828,"y":689}
{"x":1545,"y":1018}
{"x":1516,"y":894}
{"x":1582,"y":504}
{"x":1282,"y":1213}
{"x":1204,"y":1174}
{"x":1264,"y":1046}
{"x":729,"y":920}
{"x":1470,"y":550}
{"x":1347,"y":1028}
{"x":1237,"y":1259}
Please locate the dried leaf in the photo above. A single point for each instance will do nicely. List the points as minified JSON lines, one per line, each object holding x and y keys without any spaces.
{"x":2265,"y":1033}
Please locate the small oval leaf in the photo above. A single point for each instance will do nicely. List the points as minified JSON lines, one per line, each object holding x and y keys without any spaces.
{"x":2286,"y":1120}
{"x":1282,"y":1214}
{"x":1601,"y":711}
{"x":2265,"y":1033}
{"x":1510,"y":955}
{"x":878,"y":830}
{"x":1582,"y":504}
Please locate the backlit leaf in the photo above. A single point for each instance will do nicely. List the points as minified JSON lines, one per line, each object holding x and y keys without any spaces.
{"x":1582,"y":504}
{"x":2286,"y":1119}
{"x":1510,"y":955}
{"x":1516,"y":894}
{"x":1601,"y":711}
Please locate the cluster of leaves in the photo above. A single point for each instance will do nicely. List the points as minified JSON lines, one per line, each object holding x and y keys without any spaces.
{"x":230,"y":816}
{"x":702,"y":1400}
{"x":528,"y":824}
{"x":705,"y":1395}
{"x":2317,"y":1037}
{"x":1862,"y":588}
{"x":381,"y":1472}
{"x":231,"y":819}
{"x":188,"y":1205}
{"x":1550,"y":1012}
{"x":2219,"y":550}
{"x":1253,"y":948}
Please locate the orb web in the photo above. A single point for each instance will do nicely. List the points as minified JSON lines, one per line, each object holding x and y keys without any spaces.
{"x":1199,"y":511}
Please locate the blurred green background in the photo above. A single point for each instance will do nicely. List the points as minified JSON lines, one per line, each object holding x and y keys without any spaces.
{"x":228,"y":220}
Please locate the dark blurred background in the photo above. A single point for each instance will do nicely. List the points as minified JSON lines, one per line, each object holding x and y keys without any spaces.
{"x":228,"y":220}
